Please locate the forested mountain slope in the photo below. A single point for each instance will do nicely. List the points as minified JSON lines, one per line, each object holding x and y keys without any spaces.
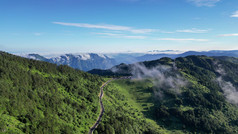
{"x":186,"y":95}
{"x":40,"y":97}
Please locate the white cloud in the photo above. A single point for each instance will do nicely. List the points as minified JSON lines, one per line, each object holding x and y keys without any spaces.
{"x":107,"y":27}
{"x":168,"y":32}
{"x":182,"y":39}
{"x":121,"y":36}
{"x":207,"y":3}
{"x":229,"y":90}
{"x":228,"y":35}
{"x":193,"y":30}
{"x":141,"y":31}
{"x":109,"y":34}
{"x":235,"y":14}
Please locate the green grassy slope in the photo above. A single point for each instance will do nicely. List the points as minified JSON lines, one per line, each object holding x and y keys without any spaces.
{"x":123,"y":114}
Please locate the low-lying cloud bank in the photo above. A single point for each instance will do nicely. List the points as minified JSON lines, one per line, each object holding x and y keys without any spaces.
{"x":229,"y":90}
{"x":164,"y":78}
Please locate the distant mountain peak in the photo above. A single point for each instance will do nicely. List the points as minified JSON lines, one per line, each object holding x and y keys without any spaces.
{"x":82,"y":61}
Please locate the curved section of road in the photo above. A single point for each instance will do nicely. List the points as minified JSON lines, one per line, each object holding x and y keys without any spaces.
{"x":101,"y":104}
{"x":102,"y":108}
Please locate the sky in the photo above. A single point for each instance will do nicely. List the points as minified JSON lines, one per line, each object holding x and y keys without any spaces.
{"x":111,"y":26}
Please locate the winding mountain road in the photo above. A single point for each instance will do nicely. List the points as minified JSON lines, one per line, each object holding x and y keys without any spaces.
{"x":101,"y":104}
{"x":102,"y":108}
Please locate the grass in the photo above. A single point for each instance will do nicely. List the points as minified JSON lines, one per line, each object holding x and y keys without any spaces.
{"x":138,"y":97}
{"x":137,"y":93}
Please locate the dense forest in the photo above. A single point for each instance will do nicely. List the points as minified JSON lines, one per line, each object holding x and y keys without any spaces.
{"x":195,"y":94}
{"x":43,"y":98}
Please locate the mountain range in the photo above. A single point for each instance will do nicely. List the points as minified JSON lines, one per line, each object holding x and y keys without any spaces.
{"x":89,"y":61}
{"x":83,"y":62}
{"x":148,"y":57}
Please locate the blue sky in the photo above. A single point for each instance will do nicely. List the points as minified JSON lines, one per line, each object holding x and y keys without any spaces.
{"x":71,"y":26}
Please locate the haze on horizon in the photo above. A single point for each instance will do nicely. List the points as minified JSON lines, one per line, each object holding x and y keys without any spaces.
{"x":73,"y":26}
